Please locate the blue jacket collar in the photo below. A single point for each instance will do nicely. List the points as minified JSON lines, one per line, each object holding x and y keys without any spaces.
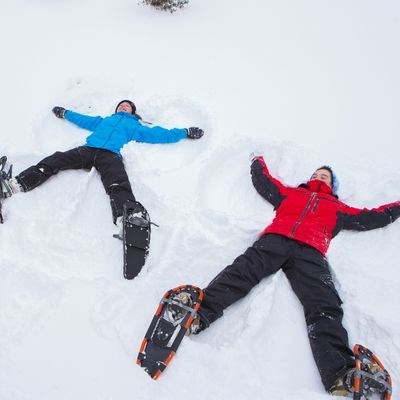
{"x":124,"y":114}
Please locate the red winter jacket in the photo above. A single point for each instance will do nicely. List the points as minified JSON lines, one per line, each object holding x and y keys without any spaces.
{"x":311,"y":213}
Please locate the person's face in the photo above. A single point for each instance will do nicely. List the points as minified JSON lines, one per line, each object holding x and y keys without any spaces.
{"x":323,"y":175}
{"x":125,"y":107}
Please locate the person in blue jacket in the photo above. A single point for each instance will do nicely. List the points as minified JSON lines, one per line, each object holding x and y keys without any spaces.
{"x":102,"y":151}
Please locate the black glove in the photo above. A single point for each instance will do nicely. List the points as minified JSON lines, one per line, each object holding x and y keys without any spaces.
{"x":194,"y":132}
{"x":394,"y":212}
{"x":59,"y":112}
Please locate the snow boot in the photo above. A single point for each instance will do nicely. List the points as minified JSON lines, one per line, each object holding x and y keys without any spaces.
{"x":10,"y":186}
{"x":343,"y":386}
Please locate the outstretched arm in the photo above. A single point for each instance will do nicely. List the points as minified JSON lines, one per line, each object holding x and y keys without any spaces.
{"x":157,"y":134}
{"x":267,"y":186}
{"x":366,"y":219}
{"x":81,"y":120}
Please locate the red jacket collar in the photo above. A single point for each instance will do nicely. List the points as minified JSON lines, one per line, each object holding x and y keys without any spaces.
{"x":317,"y":186}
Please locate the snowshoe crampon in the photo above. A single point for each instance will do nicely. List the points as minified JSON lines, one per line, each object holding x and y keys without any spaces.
{"x":370,"y":376}
{"x":176,"y":311}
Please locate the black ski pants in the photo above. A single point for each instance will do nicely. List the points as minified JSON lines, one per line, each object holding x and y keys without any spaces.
{"x":310,"y":278}
{"x":109,"y":165}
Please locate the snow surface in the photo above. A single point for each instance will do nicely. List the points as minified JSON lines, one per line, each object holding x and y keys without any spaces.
{"x":302,"y":82}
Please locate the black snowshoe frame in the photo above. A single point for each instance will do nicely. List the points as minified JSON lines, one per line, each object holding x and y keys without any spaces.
{"x":4,"y":189}
{"x":135,"y":237}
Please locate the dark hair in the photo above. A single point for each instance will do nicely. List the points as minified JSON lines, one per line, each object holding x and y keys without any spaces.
{"x":334,"y":179}
{"x":131,"y":103}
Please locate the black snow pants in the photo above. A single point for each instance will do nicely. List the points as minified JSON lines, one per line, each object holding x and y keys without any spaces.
{"x":109,"y":165}
{"x":310,"y":278}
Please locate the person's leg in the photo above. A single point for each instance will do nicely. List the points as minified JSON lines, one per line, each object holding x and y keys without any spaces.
{"x":310,"y":277}
{"x":265,"y":257}
{"x":115,"y":180}
{"x":77,"y":158}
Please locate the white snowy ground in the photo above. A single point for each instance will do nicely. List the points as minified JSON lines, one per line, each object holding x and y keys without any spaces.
{"x":302,"y":82}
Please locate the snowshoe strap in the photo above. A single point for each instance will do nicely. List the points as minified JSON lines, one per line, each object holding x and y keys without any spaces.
{"x":180,"y":304}
{"x":381,"y":384}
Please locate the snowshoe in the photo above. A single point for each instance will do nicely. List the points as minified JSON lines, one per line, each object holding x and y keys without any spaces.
{"x":5,"y":189}
{"x":172,"y":320}
{"x":370,"y":376}
{"x":135,"y":237}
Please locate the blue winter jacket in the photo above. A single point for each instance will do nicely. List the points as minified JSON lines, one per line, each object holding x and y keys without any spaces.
{"x":113,"y":132}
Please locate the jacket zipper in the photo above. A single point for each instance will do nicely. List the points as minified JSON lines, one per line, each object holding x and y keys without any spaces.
{"x":315,"y":205}
{"x":111,"y":133}
{"x":303,"y":214}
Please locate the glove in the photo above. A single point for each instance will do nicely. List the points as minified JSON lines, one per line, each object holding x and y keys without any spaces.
{"x":394,"y":212}
{"x":254,"y":155}
{"x":194,"y":132}
{"x":59,"y":112}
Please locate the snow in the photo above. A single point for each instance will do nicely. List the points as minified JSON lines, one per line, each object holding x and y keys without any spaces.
{"x":303,"y":83}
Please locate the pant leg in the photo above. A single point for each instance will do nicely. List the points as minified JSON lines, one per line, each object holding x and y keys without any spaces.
{"x":77,"y":158}
{"x":265,"y":257}
{"x":310,"y":277}
{"x":115,"y":180}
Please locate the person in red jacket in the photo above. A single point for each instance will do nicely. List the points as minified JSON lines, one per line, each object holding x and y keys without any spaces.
{"x":307,"y":218}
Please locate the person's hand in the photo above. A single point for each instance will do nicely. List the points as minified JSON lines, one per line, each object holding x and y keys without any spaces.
{"x":254,"y":155}
{"x":194,"y":132}
{"x":59,"y":112}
